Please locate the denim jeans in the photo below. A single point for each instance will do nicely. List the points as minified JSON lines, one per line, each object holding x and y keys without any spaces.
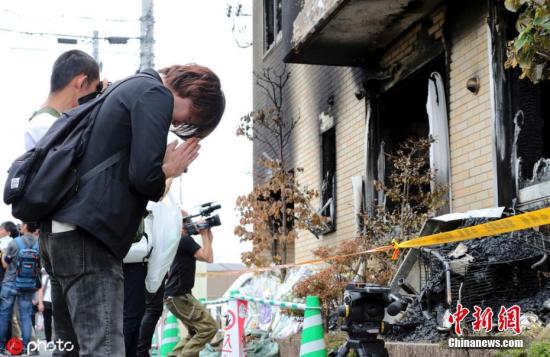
{"x":87,"y":293}
{"x":8,"y":295}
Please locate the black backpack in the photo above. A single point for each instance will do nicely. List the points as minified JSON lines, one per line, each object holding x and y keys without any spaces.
{"x":43,"y":179}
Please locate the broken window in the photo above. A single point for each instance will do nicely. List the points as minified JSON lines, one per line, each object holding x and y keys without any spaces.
{"x":328,"y":170}
{"x":273,"y":12}
{"x":415,"y":107}
{"x":532,"y":121}
{"x":530,"y":115}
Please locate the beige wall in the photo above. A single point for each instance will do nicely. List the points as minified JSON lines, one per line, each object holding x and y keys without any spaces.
{"x":315,"y":84}
{"x":471,"y":133}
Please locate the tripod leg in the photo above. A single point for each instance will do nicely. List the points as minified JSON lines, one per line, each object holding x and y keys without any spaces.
{"x":343,"y":350}
{"x":376,"y":349}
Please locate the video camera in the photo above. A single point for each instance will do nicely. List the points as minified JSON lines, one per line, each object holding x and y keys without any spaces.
{"x":363,"y":310}
{"x":194,"y":228}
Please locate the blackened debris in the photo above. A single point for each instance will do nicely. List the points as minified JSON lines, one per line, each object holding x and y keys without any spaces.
{"x":535,"y":304}
{"x":500,"y":274}
{"x":416,"y":327}
{"x":502,"y":248}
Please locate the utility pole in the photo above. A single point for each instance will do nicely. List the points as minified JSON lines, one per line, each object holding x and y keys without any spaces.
{"x":95,"y":46}
{"x":146,"y":54}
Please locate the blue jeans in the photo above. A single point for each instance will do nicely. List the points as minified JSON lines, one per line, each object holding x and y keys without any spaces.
{"x":87,"y":293}
{"x":7,"y":299}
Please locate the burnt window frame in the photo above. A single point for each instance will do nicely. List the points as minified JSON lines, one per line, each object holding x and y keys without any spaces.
{"x":272,"y":21}
{"x":529,"y":191}
{"x":328,"y":177}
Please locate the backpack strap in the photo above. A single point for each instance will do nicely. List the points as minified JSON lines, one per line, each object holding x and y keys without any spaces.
{"x":103,"y":165}
{"x":48,"y":110}
{"x":20,"y":244}
{"x":116,"y":157}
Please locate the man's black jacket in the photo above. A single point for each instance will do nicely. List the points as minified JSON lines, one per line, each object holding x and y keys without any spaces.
{"x":135,"y":116}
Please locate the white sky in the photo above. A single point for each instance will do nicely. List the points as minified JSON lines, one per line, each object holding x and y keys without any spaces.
{"x":185,"y":31}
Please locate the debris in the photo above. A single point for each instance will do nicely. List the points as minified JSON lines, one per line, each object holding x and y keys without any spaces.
{"x":459,"y":251}
{"x":488,"y":272}
{"x":530,"y":322}
{"x":541,"y":173}
{"x":459,"y":266}
{"x":416,"y":327}
{"x":502,"y":248}
{"x":535,"y":304}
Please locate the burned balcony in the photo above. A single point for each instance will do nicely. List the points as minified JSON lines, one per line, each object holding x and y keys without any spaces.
{"x":346,"y":32}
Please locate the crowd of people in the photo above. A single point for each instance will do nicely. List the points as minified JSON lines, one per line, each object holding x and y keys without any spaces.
{"x":20,"y":322}
{"x":69,"y":265}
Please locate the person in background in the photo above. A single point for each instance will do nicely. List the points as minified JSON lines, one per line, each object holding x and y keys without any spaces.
{"x":8,"y":231}
{"x":75,"y":74}
{"x":178,"y":299}
{"x":44,"y":297}
{"x":10,"y":292}
{"x":141,"y":308}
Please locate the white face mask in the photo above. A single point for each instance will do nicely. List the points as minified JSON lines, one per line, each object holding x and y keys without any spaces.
{"x":185,"y":131}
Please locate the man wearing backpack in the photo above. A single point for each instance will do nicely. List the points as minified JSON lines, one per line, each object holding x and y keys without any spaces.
{"x":22,"y":264}
{"x":83,"y":244}
{"x":75,"y":74}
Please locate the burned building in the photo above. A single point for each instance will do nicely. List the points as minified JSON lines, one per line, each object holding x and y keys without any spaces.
{"x":367,"y":74}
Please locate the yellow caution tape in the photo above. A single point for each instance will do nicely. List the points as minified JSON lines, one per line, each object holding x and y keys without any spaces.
{"x":504,"y":225}
{"x":286,"y":266}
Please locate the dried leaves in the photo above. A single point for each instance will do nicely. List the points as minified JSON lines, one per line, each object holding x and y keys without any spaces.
{"x":278,"y":207}
{"x":263,"y":211}
{"x":411,"y":199}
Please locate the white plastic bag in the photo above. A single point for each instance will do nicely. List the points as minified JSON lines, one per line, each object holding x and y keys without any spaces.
{"x":39,"y":321}
{"x":165,"y":237}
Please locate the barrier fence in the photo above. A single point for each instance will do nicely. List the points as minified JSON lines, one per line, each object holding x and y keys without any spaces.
{"x":234,"y":342}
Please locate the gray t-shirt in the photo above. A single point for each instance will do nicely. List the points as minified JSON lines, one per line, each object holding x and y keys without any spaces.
{"x":11,"y":252}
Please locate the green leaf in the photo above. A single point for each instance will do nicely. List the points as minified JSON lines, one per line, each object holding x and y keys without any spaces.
{"x":522,"y":40}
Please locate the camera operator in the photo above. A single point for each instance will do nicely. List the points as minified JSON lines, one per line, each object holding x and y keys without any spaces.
{"x":200,"y":325}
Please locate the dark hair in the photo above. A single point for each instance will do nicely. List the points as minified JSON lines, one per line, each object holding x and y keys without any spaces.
{"x":10,"y":227}
{"x":32,"y":226}
{"x":69,"y":65}
{"x":203,"y":87}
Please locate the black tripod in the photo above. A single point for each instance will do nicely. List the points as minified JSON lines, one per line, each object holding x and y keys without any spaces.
{"x":363,"y":347}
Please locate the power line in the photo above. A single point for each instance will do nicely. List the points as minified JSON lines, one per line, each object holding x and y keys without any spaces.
{"x":37,"y":49}
{"x":32,"y":33}
{"x":73,"y":17}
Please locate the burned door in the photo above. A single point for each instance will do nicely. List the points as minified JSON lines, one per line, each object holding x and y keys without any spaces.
{"x":415,"y":107}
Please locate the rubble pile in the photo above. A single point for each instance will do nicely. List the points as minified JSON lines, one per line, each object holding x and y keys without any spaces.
{"x":415,"y":326}
{"x":464,"y":258}
{"x":536,"y":304}
{"x":503,"y":248}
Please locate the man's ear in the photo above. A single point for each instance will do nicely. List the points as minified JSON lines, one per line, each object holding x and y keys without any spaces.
{"x":80,"y":81}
